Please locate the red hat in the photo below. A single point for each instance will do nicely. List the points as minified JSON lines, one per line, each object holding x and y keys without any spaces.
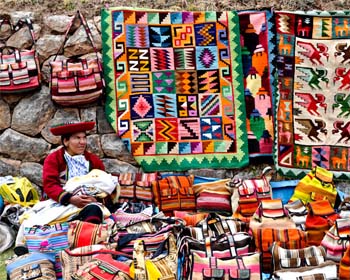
{"x":71,"y":127}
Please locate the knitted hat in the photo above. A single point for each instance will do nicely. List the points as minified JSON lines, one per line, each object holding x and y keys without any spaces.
{"x":71,"y":127}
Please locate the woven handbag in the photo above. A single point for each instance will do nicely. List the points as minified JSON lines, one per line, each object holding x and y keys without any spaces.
{"x":344,"y":265}
{"x":297,"y":212}
{"x":287,"y":238}
{"x":72,"y":259}
{"x":103,"y":267}
{"x":81,"y":233}
{"x":159,"y":265}
{"x":214,"y":197}
{"x":215,"y":225}
{"x":271,"y":214}
{"x":320,"y":218}
{"x":34,"y":265}
{"x":251,"y":192}
{"x":47,"y":238}
{"x":222,"y":247}
{"x":174,"y":193}
{"x":295,"y":258}
{"x":76,"y":81}
{"x":245,"y":267}
{"x":336,"y":239}
{"x":324,"y":271}
{"x":19,"y":69}
{"x":125,"y":242}
{"x":316,"y":185}
{"x":137,"y":187}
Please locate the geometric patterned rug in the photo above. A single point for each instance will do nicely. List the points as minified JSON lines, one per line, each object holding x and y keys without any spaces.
{"x":174,"y":91}
{"x":313,"y":105}
{"x":258,"y":59}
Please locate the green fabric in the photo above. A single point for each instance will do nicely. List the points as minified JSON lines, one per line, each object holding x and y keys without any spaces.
{"x":174,"y":87}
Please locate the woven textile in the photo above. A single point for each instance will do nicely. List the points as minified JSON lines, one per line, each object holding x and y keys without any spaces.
{"x":258,"y":59}
{"x":174,"y":87}
{"x":313,"y":100}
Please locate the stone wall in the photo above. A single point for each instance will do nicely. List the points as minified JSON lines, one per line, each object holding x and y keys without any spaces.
{"x":25,"y":119}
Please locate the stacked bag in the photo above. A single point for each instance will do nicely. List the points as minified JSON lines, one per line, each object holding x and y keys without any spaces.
{"x":165,"y":228}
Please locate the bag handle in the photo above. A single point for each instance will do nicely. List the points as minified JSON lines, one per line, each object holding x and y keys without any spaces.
{"x":26,"y":22}
{"x":6,"y":21}
{"x":80,"y":16}
{"x":139,"y":260}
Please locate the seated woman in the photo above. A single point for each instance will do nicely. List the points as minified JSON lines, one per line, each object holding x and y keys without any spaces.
{"x":70,"y":161}
{"x":61,"y":167}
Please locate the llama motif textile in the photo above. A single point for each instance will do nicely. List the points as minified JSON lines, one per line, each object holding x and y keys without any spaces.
{"x":174,"y":87}
{"x":258,"y":54}
{"x":313,"y":111}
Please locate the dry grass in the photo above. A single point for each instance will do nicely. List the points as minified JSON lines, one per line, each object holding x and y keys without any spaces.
{"x":92,"y":7}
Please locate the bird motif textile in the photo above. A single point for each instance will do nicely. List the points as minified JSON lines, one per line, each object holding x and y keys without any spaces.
{"x":174,"y":91}
{"x":313,"y":101}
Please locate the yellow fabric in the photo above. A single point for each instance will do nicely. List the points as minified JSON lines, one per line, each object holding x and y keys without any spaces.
{"x":316,"y":185}
{"x":152,"y":271}
{"x":20,"y":192}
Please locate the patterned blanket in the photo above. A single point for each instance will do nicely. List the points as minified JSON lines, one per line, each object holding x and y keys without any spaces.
{"x":174,"y":87}
{"x":313,"y":112}
{"x":258,"y":55}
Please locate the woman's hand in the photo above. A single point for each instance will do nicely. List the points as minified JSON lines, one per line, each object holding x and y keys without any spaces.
{"x":81,"y":201}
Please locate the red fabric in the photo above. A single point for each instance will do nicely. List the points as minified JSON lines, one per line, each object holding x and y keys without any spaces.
{"x":55,"y":169}
{"x":70,"y":128}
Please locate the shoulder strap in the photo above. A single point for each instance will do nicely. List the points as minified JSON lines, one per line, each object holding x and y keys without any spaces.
{"x":87,"y":31}
{"x":26,"y":22}
{"x":4,"y":22}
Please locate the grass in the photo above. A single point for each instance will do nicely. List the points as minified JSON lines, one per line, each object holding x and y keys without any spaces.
{"x":3,"y":257}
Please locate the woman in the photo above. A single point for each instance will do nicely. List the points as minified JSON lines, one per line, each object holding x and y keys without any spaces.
{"x":70,"y":161}
{"x":61,"y":167}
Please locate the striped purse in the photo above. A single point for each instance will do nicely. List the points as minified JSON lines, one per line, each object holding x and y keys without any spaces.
{"x":174,"y":193}
{"x":76,"y":81}
{"x":47,"y":238}
{"x":82,"y":233}
{"x":137,"y":187}
{"x":336,"y":239}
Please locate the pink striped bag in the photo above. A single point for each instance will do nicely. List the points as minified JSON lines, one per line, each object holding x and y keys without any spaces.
{"x":137,"y":187}
{"x":336,"y":240}
{"x":241,"y":267}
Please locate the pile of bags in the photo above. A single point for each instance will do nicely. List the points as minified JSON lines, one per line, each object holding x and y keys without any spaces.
{"x":187,"y":227}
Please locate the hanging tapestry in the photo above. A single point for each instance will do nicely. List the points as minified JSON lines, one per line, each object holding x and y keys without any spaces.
{"x":174,"y":87}
{"x":313,"y":113}
{"x":258,"y":59}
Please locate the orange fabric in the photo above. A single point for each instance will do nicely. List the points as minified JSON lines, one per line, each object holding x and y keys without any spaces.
{"x":344,"y":265}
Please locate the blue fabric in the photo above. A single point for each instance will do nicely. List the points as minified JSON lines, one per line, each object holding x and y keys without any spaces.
{"x":283,"y":189}
{"x":77,"y":165}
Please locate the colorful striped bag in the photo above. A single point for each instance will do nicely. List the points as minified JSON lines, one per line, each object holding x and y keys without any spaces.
{"x":320,"y":218}
{"x":30,"y":266}
{"x":344,"y":265}
{"x":287,"y":238}
{"x":81,"y":233}
{"x":316,"y":185}
{"x":251,"y":192}
{"x":174,"y":193}
{"x":137,"y":187}
{"x":214,"y":196}
{"x":336,"y":239}
{"x":295,"y":258}
{"x":76,"y":81}
{"x":241,"y":267}
{"x":73,"y":259}
{"x":47,"y":238}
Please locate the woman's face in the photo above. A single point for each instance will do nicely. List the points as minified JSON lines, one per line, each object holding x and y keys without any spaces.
{"x":76,"y":144}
